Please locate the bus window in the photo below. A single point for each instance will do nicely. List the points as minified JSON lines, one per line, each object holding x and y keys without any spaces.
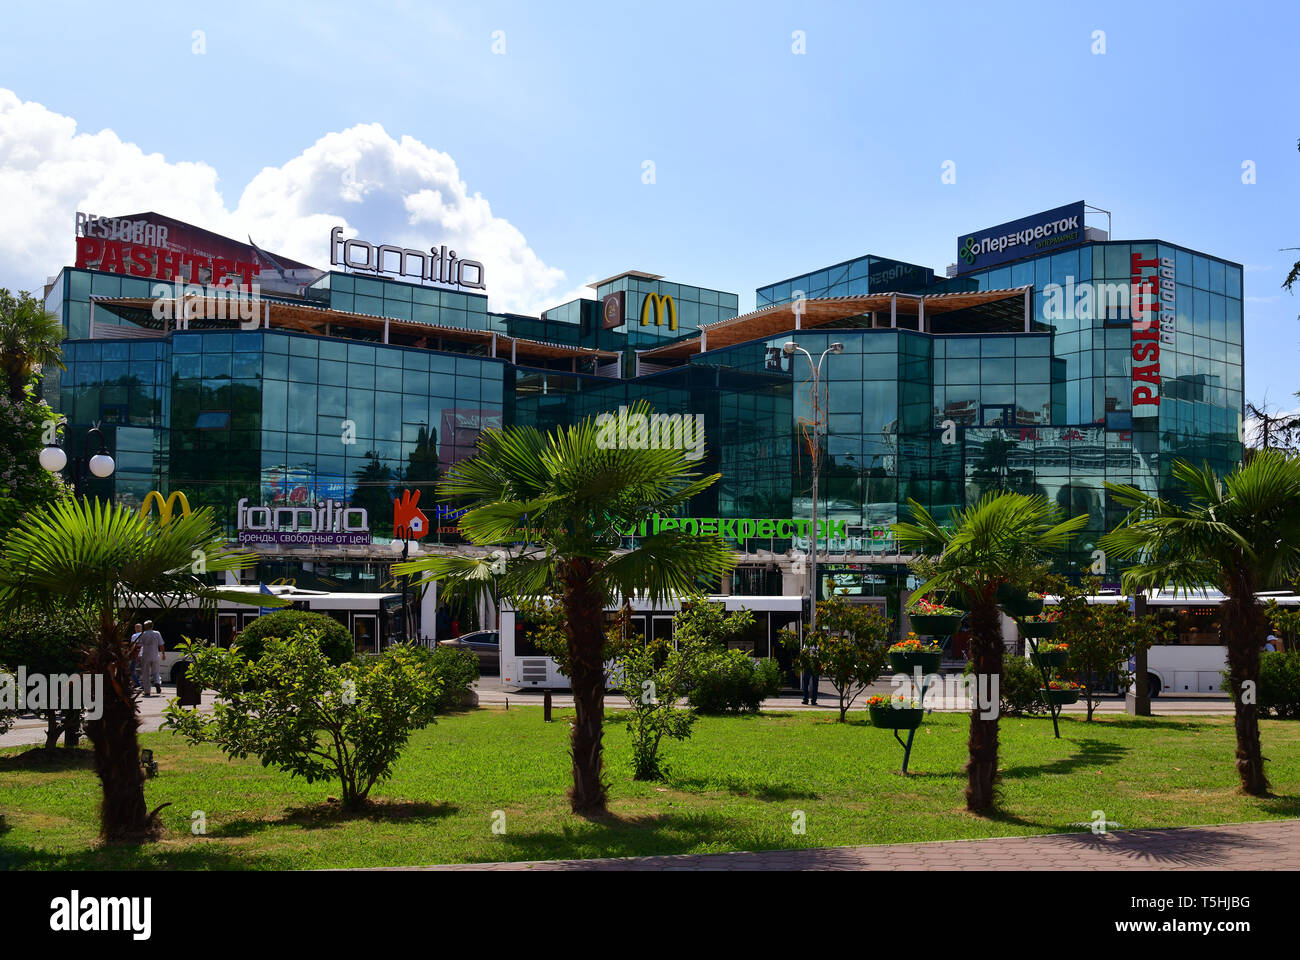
{"x":525,"y":645}
{"x":227,"y":627}
{"x":663,"y":629}
{"x":365,"y":633}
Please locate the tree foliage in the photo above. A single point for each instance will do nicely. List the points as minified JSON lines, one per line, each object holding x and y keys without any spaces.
{"x":1240,"y":533}
{"x":552,"y":509}
{"x":111,"y":559}
{"x":1101,"y":637}
{"x":850,"y":647}
{"x":334,"y":637}
{"x":295,"y":710}
{"x":1003,"y":539}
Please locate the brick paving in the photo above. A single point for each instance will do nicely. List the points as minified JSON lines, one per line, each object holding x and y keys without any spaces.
{"x":1271,"y":845}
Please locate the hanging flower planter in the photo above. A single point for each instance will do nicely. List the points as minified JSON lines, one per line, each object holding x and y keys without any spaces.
{"x":932,"y":619}
{"x":1038,"y":628}
{"x":1061,"y":693}
{"x":1016,"y":602}
{"x":1053,"y":655}
{"x":906,"y":655}
{"x":897,"y":714}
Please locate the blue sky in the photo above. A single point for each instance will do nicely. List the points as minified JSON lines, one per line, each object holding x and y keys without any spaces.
{"x":767,"y":163}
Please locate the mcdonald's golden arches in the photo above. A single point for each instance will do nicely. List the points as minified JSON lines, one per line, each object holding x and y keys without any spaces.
{"x":165,"y":507}
{"x":659,"y":304}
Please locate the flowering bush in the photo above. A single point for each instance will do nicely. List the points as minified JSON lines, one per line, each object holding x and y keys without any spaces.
{"x":899,"y":702}
{"x":1049,"y":615}
{"x":914,"y":644}
{"x":1053,"y":647}
{"x":925,"y":607}
{"x":1063,"y":685}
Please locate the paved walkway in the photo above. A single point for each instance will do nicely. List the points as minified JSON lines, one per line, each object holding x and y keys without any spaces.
{"x":29,"y":730}
{"x":1273,"y":845}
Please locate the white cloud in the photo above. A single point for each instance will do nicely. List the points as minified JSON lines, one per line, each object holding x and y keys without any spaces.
{"x":381,"y":189}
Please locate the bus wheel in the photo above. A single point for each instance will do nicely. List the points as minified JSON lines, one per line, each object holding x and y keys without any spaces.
{"x":1153,"y":685}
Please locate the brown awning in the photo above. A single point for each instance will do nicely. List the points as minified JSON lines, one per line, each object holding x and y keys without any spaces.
{"x":780,"y":318}
{"x":320,"y":320}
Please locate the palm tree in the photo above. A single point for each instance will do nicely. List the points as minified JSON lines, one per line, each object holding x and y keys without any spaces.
{"x":114,"y":561}
{"x":29,"y":338}
{"x":1240,"y":533}
{"x":574,"y":496}
{"x":1004,"y":539}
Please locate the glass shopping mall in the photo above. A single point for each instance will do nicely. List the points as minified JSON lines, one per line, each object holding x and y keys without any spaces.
{"x":299,"y":401}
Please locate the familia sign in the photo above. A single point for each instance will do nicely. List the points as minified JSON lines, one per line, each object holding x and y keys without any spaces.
{"x":439,"y":265}
{"x":329,"y":523}
{"x":1026,"y":237}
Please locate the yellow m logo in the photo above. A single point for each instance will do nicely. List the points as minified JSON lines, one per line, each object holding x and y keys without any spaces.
{"x":165,"y":507}
{"x":659,"y":303}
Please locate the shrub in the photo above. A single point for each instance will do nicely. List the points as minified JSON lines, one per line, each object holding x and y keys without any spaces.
{"x":455,"y":670}
{"x":655,"y":676}
{"x":51,"y":642}
{"x":295,"y":710}
{"x":335,"y":640}
{"x":1019,"y":689}
{"x":731,"y":681}
{"x":1279,"y":683}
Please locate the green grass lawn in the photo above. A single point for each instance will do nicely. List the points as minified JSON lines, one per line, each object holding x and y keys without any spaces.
{"x":734,"y":786}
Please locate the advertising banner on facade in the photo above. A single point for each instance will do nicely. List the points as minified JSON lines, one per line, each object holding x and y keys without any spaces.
{"x":1031,"y":236}
{"x":153,"y":246}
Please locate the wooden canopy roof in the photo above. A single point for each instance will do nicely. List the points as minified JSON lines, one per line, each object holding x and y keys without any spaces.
{"x":320,"y":321}
{"x":781,"y":317}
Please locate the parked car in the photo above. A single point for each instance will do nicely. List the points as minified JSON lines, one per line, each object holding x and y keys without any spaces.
{"x":485,"y":644}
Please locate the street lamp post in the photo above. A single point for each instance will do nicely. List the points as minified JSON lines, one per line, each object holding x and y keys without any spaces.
{"x":789,"y":348}
{"x":53,"y":458}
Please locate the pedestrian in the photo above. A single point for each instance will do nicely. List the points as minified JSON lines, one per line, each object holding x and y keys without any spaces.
{"x":443,"y":622}
{"x":810,"y":679}
{"x":151,"y":653}
{"x":1271,"y":643}
{"x":135,"y":656}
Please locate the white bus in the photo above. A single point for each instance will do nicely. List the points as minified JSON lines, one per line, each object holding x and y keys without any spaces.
{"x":1194,"y":662}
{"x":524,"y":666}
{"x":371,"y":618}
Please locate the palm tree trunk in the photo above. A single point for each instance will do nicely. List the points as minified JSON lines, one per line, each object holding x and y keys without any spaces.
{"x":986,"y":652}
{"x":1245,"y":625}
{"x":583,"y":609}
{"x":123,"y":814}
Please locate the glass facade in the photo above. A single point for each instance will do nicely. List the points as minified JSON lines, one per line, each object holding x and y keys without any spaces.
{"x":972,"y":403}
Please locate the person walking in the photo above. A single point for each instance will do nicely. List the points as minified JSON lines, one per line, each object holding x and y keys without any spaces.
{"x":151,"y":653}
{"x":810,"y":678}
{"x":135,"y":656}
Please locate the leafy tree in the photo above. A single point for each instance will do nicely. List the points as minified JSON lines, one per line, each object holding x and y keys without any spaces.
{"x":1286,"y":623}
{"x":54,"y":642}
{"x":1240,"y":533}
{"x":731,"y":681}
{"x":1003,"y":539}
{"x":850,"y":647}
{"x":104,"y":556}
{"x":24,"y":483}
{"x":29,"y":340}
{"x":295,"y":710}
{"x":334,"y":637}
{"x":654,"y":678}
{"x":1100,"y":637}
{"x":576,"y":495}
